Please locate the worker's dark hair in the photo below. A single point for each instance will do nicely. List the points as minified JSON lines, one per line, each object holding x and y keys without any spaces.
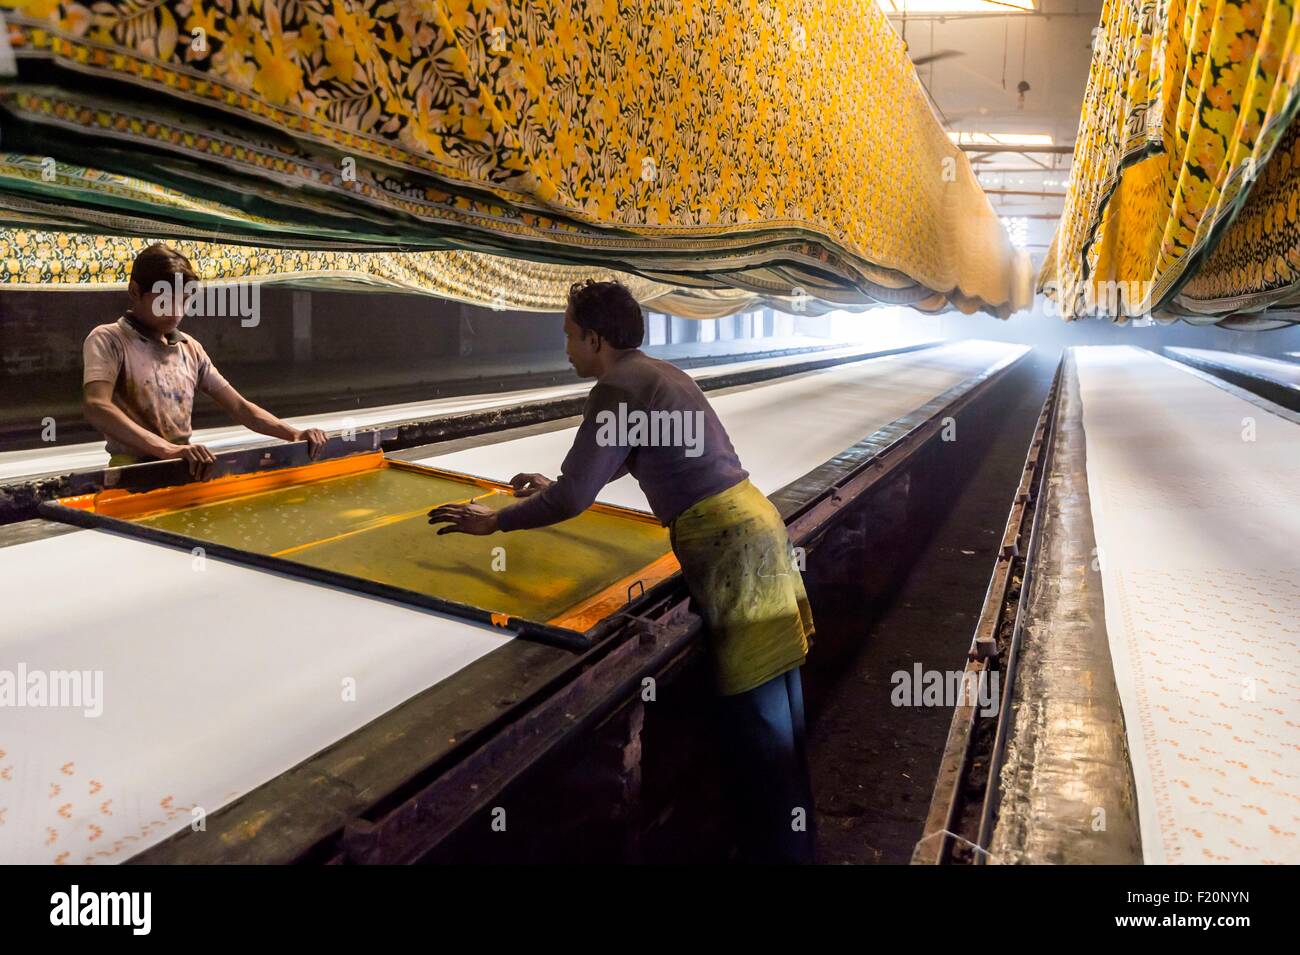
{"x":609,"y":310}
{"x":160,"y":263}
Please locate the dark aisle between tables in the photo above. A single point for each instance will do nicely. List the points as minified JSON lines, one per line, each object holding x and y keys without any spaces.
{"x":874,"y":764}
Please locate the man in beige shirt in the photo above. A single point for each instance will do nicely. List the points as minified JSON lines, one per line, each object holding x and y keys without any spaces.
{"x":141,"y":375}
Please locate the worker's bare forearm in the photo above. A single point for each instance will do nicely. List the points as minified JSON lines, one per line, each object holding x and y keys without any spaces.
{"x":263,"y":422}
{"x":258,"y":419}
{"x":109,"y":420}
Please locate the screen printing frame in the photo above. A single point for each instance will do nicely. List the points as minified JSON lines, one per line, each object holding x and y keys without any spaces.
{"x":577,"y":628}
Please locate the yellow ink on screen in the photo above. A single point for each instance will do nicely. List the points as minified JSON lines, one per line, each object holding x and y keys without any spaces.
{"x":366,"y":516}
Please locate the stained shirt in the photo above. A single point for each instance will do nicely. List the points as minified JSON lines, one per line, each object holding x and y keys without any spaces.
{"x":153,"y":383}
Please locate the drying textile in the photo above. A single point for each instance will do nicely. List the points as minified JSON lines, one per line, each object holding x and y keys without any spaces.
{"x":1254,"y":270}
{"x":38,"y":259}
{"x":1185,"y":105}
{"x":788,"y":145}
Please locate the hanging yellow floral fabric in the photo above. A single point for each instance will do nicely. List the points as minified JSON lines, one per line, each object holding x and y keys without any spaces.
{"x":39,"y":259}
{"x":786,"y":145}
{"x":1253,"y":274}
{"x":1185,"y":105}
{"x":48,"y":259}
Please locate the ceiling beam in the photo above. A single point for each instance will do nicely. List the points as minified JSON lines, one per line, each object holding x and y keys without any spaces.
{"x":992,"y":149}
{"x":1024,"y":192}
{"x":990,"y":15}
{"x":1014,"y":170}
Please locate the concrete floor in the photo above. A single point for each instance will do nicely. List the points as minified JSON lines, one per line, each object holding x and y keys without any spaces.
{"x":873,"y":764}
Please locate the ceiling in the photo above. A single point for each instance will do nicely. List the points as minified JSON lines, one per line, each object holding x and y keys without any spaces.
{"x":972,"y":65}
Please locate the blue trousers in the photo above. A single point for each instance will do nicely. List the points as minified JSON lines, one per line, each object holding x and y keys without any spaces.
{"x":766,"y":791}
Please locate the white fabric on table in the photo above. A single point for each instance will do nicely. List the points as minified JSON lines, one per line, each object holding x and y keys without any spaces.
{"x":1197,"y":526}
{"x":1274,"y":369}
{"x":91,"y":455}
{"x":781,"y":429}
{"x":214,"y":681}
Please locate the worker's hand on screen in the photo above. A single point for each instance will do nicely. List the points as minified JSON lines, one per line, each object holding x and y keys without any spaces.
{"x":198,"y":457}
{"x":315,"y":439}
{"x":528,"y":484}
{"x":464,"y":519}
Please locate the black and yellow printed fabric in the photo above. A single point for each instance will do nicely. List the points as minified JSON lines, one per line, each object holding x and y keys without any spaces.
{"x":786,"y":145}
{"x":39,"y":259}
{"x":1252,"y":276}
{"x":1187,"y":103}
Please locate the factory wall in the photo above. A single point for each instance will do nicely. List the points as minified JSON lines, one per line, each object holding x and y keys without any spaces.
{"x":307,"y":351}
{"x":42,"y":332}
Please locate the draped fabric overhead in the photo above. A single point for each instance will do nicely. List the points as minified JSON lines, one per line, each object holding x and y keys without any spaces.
{"x":1253,"y":274}
{"x":1186,"y":104}
{"x":40,"y":259}
{"x":780,"y":148}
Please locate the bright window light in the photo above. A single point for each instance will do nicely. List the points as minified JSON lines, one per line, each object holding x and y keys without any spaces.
{"x":1017,"y":229}
{"x":965,"y":138}
{"x":900,"y":7}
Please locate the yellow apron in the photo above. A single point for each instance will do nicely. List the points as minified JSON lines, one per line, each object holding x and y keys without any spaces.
{"x":735,"y":556}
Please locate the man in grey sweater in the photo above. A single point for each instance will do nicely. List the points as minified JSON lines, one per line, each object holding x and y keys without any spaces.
{"x":648,"y":418}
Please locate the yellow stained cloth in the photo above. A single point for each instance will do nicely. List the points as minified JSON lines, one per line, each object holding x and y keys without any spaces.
{"x":735,"y":555}
{"x":1185,"y":104}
